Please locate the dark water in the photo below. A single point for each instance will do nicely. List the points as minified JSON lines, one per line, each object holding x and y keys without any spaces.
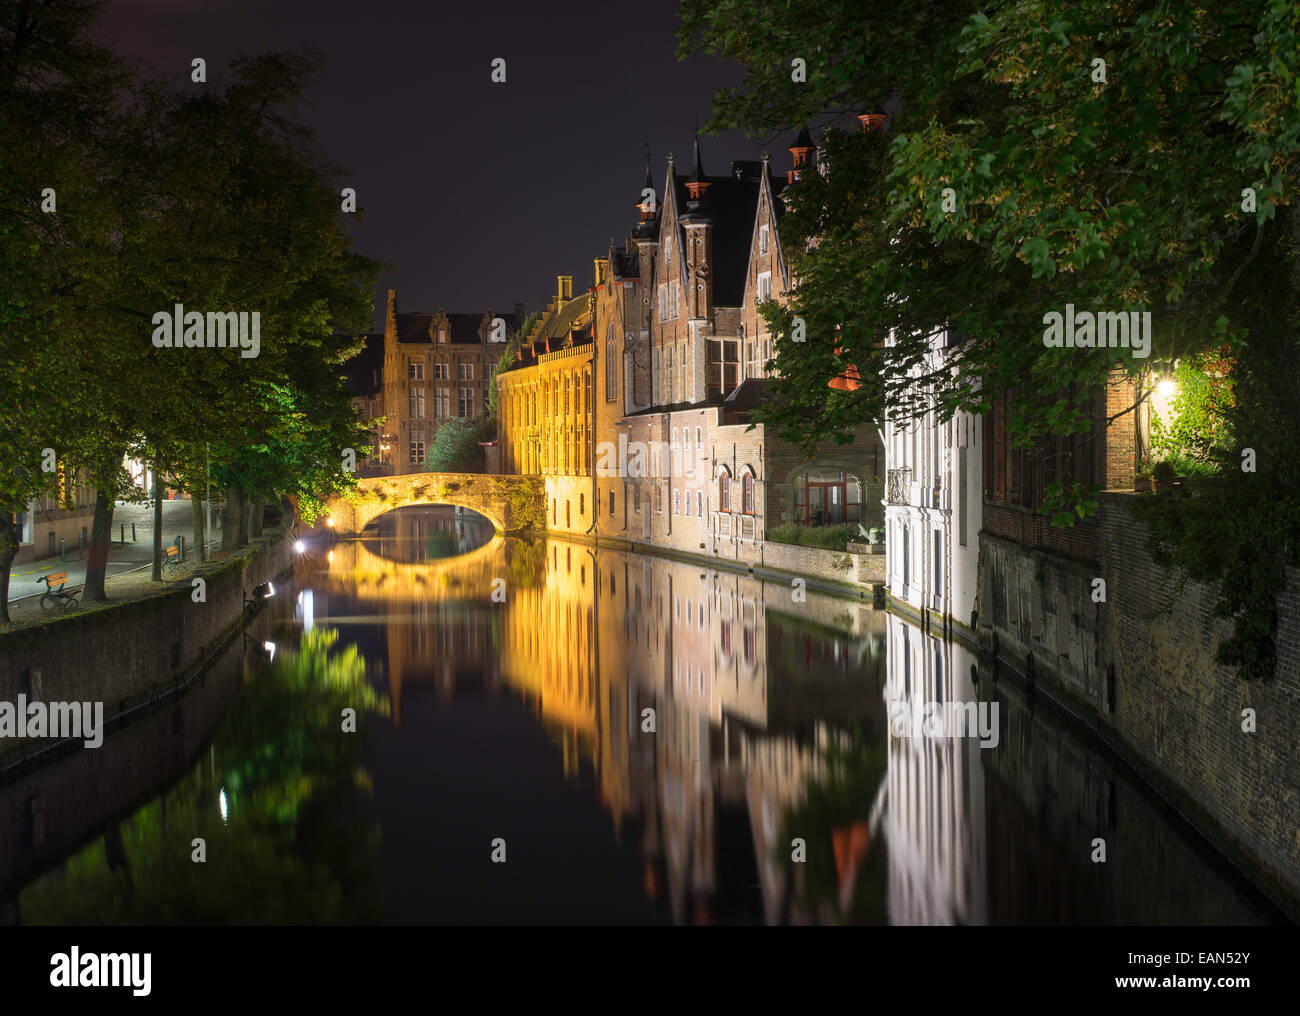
{"x":633,"y":739}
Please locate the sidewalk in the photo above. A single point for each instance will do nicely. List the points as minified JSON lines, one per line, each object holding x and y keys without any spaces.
{"x":178,"y":520}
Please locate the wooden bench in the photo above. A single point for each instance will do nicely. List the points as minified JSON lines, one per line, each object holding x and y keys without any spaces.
{"x":56,"y":593}
{"x":173,"y":558}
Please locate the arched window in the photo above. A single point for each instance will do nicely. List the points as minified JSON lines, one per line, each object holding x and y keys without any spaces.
{"x":724,"y":493}
{"x":611,"y":367}
{"x":747,"y":494}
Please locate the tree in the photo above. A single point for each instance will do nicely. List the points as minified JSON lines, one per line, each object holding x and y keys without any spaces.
{"x":55,"y":98}
{"x":1114,"y":157}
{"x":455,"y":447}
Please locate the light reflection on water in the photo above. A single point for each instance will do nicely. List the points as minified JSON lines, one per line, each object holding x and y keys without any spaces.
{"x":657,"y":740}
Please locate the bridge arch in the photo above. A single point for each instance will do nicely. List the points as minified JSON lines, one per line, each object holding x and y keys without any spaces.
{"x":510,"y":503}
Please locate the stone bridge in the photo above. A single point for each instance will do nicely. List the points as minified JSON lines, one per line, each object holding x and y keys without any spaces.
{"x":511,"y":503}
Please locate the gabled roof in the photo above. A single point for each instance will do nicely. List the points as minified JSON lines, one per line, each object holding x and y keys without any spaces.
{"x":747,"y":395}
{"x":734,"y":203}
{"x":464,"y":328}
{"x":414,"y":327}
{"x":731,"y":205}
{"x":558,"y":324}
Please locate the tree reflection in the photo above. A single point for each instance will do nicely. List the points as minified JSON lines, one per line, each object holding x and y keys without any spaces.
{"x":844,"y":877}
{"x":280,"y":798}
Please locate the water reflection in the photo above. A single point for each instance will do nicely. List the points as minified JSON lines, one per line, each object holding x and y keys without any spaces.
{"x":655,"y":740}
{"x":427,"y":533}
{"x":269,"y":826}
{"x":718,"y":720}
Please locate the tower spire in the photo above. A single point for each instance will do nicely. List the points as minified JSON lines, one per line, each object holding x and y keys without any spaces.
{"x":648,"y":203}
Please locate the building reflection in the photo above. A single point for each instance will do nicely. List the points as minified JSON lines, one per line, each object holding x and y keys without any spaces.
{"x":934,"y":821}
{"x":708,"y":708}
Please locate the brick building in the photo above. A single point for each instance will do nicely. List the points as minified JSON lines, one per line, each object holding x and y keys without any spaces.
{"x":545,"y":409}
{"x":436,"y":366}
{"x":1036,"y":580}
{"x":57,"y":519}
{"x":680,"y":358}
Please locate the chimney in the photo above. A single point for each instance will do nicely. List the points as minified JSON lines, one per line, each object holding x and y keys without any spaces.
{"x":390,"y":323}
{"x":801,"y":151}
{"x":564,"y":288}
{"x":873,"y":121}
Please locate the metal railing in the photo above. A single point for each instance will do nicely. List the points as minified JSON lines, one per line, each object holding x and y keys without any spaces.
{"x":897,"y":482}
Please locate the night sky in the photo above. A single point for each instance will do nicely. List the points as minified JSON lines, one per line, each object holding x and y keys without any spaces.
{"x":478,"y":193}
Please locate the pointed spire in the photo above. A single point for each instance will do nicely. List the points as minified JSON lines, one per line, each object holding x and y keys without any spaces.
{"x":697,"y":183}
{"x":648,"y":204}
{"x":697,"y":174}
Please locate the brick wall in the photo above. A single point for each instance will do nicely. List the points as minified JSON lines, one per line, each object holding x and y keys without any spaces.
{"x":113,"y":655}
{"x":1181,"y":714}
{"x":1138,"y":669}
{"x":1041,"y":604}
{"x":816,"y":563}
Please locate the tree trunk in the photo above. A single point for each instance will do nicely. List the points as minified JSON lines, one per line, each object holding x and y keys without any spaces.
{"x":243,"y":517}
{"x":230,"y":518}
{"x":8,"y":551}
{"x":101,"y":538}
{"x":200,"y":544}
{"x":157,"y":523}
{"x":255,"y":517}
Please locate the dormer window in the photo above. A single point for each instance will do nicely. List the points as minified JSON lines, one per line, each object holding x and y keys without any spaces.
{"x":442,"y":335}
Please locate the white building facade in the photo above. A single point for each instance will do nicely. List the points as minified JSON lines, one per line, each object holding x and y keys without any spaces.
{"x":933,"y":508}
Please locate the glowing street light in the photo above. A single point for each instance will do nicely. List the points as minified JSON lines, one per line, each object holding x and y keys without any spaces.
{"x":1166,"y":388}
{"x":299,"y":546}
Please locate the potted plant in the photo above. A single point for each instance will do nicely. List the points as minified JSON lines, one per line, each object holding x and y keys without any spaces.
{"x":1162,"y":476}
{"x":1142,"y":478}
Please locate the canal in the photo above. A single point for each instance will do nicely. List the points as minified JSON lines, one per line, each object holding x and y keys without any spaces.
{"x":436,"y":724}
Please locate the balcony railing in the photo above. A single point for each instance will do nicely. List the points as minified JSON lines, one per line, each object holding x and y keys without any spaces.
{"x":897,"y":483}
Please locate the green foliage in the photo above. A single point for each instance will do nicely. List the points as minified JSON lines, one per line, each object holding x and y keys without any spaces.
{"x":1200,"y":422}
{"x":834,"y":802}
{"x":1066,"y":502}
{"x":294,"y":846}
{"x":826,"y":537}
{"x":1117,"y":195}
{"x":455,"y":445}
{"x":509,"y":357}
{"x":138,"y":229}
